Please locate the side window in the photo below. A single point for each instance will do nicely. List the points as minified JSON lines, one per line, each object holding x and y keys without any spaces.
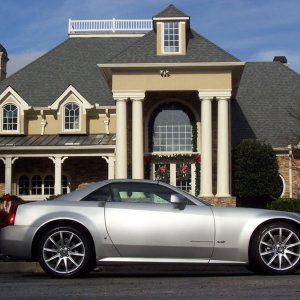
{"x":102,"y":194}
{"x":141,"y":193}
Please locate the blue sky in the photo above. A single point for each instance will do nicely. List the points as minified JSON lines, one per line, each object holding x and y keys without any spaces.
{"x":251,"y":30}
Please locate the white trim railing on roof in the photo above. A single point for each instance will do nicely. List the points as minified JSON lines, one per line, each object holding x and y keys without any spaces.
{"x":114,"y":25}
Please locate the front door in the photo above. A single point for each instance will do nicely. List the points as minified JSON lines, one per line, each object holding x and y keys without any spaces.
{"x":142,"y":222}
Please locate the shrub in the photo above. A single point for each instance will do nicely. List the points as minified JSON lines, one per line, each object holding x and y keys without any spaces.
{"x":286,"y":204}
{"x":255,"y":171}
{"x":3,"y":218}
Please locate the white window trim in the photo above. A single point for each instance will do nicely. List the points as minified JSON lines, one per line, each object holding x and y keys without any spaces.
{"x":63,"y":117}
{"x":163,"y":39}
{"x":173,"y":174}
{"x":10,"y":96}
{"x":2,"y":117}
{"x":41,"y":196}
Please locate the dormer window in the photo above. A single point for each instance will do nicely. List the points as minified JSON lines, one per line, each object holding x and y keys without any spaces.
{"x":71,"y":117}
{"x":10,"y":118}
{"x":171,"y":37}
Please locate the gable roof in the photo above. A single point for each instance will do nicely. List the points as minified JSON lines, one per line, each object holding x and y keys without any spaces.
{"x":199,"y":49}
{"x":170,"y":11}
{"x":267,"y":98}
{"x":74,"y":62}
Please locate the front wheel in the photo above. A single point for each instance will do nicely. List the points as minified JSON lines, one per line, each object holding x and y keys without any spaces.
{"x":275,"y":249}
{"x":64,"y":252}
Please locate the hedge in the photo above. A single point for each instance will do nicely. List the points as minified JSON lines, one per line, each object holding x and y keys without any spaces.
{"x":286,"y":204}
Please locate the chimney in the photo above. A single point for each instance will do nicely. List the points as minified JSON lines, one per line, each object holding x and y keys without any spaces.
{"x":281,"y":59}
{"x":3,"y":62}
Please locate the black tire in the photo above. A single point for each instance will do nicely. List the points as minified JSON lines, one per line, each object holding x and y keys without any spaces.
{"x":275,"y":249}
{"x":65,"y":252}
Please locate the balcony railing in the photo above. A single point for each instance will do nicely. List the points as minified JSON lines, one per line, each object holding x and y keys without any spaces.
{"x":94,"y":26}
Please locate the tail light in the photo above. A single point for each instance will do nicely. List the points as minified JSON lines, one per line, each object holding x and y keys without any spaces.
{"x":12,"y":214}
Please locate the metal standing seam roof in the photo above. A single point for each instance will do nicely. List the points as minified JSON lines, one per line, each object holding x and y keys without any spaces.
{"x":57,"y":140}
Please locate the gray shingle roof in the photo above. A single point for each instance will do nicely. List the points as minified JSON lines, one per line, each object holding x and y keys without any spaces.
{"x":267,"y":96}
{"x":74,"y":62}
{"x":199,"y":49}
{"x":170,"y":11}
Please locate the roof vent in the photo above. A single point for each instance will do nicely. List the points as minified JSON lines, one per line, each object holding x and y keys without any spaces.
{"x":281,"y":59}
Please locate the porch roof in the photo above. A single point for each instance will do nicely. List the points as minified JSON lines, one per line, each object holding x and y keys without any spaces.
{"x":40,"y":141}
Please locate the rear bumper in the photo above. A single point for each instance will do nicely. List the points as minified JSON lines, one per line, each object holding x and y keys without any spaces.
{"x":16,"y":241}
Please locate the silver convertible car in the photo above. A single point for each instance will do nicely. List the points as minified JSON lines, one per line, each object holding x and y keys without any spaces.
{"x":140,"y":221}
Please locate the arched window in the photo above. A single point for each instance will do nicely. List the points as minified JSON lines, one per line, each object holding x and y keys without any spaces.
{"x":172,"y":130}
{"x":10,"y":118}
{"x":36,"y":185}
{"x":49,"y":185}
{"x":24,"y":185}
{"x":71,"y":116}
{"x":64,"y":185}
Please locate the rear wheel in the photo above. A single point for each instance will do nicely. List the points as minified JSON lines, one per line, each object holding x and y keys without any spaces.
{"x":65,"y":252}
{"x":275,"y":249}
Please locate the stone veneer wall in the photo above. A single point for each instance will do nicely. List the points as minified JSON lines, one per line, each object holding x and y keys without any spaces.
{"x":283,"y":163}
{"x":222,"y":201}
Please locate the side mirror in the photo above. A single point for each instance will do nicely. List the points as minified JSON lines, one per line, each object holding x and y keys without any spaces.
{"x":178,"y":201}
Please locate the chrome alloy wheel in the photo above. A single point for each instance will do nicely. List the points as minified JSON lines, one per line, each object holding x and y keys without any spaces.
{"x":63,"y":252}
{"x":279,"y":248}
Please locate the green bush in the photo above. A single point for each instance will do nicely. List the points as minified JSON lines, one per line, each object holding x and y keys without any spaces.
{"x":255,"y":171}
{"x":286,"y":204}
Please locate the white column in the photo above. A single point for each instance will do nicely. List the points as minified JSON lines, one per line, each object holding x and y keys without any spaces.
{"x":111,"y":166}
{"x":206,"y":144}
{"x":8,"y":175}
{"x":121,"y":137}
{"x":58,"y":161}
{"x":223,"y":148}
{"x":137,"y":139}
{"x":57,"y":186}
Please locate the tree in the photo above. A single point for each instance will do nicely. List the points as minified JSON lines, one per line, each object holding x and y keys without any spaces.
{"x":256,"y":178}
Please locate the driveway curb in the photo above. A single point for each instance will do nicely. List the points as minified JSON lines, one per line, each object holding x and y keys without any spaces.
{"x":20,"y":267}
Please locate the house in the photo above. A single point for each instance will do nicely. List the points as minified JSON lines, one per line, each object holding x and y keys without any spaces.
{"x":142,"y":99}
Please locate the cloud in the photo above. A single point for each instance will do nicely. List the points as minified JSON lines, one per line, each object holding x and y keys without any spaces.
{"x":18,"y":61}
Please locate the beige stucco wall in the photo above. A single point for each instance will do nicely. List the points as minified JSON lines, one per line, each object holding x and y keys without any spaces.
{"x":178,"y":80}
{"x":92,"y":123}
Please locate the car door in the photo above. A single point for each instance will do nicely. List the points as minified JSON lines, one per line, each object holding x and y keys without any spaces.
{"x":142,"y":222}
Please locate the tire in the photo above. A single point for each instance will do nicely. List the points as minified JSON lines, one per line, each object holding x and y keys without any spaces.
{"x":275,"y":249}
{"x":65,"y":252}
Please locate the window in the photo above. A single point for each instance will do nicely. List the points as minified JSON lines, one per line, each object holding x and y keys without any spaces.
{"x":171,"y":37}
{"x":49,"y":185}
{"x":40,"y":185}
{"x":36,"y":185}
{"x":102,"y":194}
{"x":64,"y":185}
{"x":24,"y":185}
{"x":141,"y":193}
{"x":10,"y":118}
{"x":172,"y":130}
{"x":71,"y":116}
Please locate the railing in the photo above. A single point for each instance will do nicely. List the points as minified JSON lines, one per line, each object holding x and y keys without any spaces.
{"x":94,"y":26}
